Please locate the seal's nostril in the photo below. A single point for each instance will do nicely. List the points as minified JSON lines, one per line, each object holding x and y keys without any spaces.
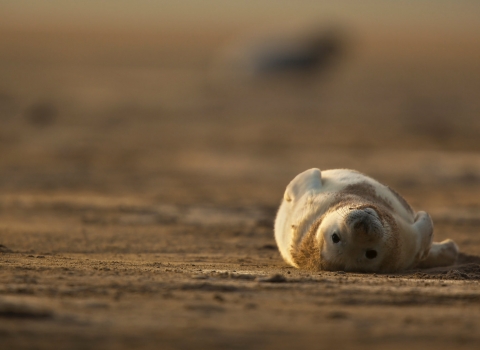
{"x":371,"y":254}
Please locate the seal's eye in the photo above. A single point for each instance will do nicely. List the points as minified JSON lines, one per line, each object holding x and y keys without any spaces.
{"x":335,"y":238}
{"x":371,"y":254}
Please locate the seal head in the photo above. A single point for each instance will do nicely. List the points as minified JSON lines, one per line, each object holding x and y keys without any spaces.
{"x":349,"y":238}
{"x":354,"y":239}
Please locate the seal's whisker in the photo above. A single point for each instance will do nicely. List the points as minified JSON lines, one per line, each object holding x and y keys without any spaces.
{"x":343,"y":212}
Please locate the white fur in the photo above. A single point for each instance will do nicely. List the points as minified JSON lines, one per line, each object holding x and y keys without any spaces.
{"x":311,"y":195}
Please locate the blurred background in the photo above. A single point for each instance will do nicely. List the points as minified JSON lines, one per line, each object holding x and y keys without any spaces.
{"x":224,"y":102}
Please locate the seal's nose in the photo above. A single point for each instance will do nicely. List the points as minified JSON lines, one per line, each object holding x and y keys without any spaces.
{"x":364,"y":225}
{"x":361,"y":226}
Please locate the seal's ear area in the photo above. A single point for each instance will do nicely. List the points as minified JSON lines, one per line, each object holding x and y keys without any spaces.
{"x":310,"y":180}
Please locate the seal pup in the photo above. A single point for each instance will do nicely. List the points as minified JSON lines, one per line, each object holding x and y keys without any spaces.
{"x":344,"y":220}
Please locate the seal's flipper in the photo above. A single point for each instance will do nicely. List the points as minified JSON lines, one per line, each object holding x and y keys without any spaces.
{"x":423,"y":225}
{"x":441,"y":254}
{"x":308,"y":181}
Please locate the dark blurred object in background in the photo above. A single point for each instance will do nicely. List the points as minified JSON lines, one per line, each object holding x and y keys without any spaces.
{"x":41,"y":114}
{"x":289,"y":53}
{"x":315,"y":52}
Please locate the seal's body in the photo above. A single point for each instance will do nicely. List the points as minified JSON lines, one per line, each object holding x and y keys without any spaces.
{"x":344,"y":220}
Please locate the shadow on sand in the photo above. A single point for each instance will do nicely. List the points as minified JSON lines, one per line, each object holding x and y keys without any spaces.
{"x":467,"y":267}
